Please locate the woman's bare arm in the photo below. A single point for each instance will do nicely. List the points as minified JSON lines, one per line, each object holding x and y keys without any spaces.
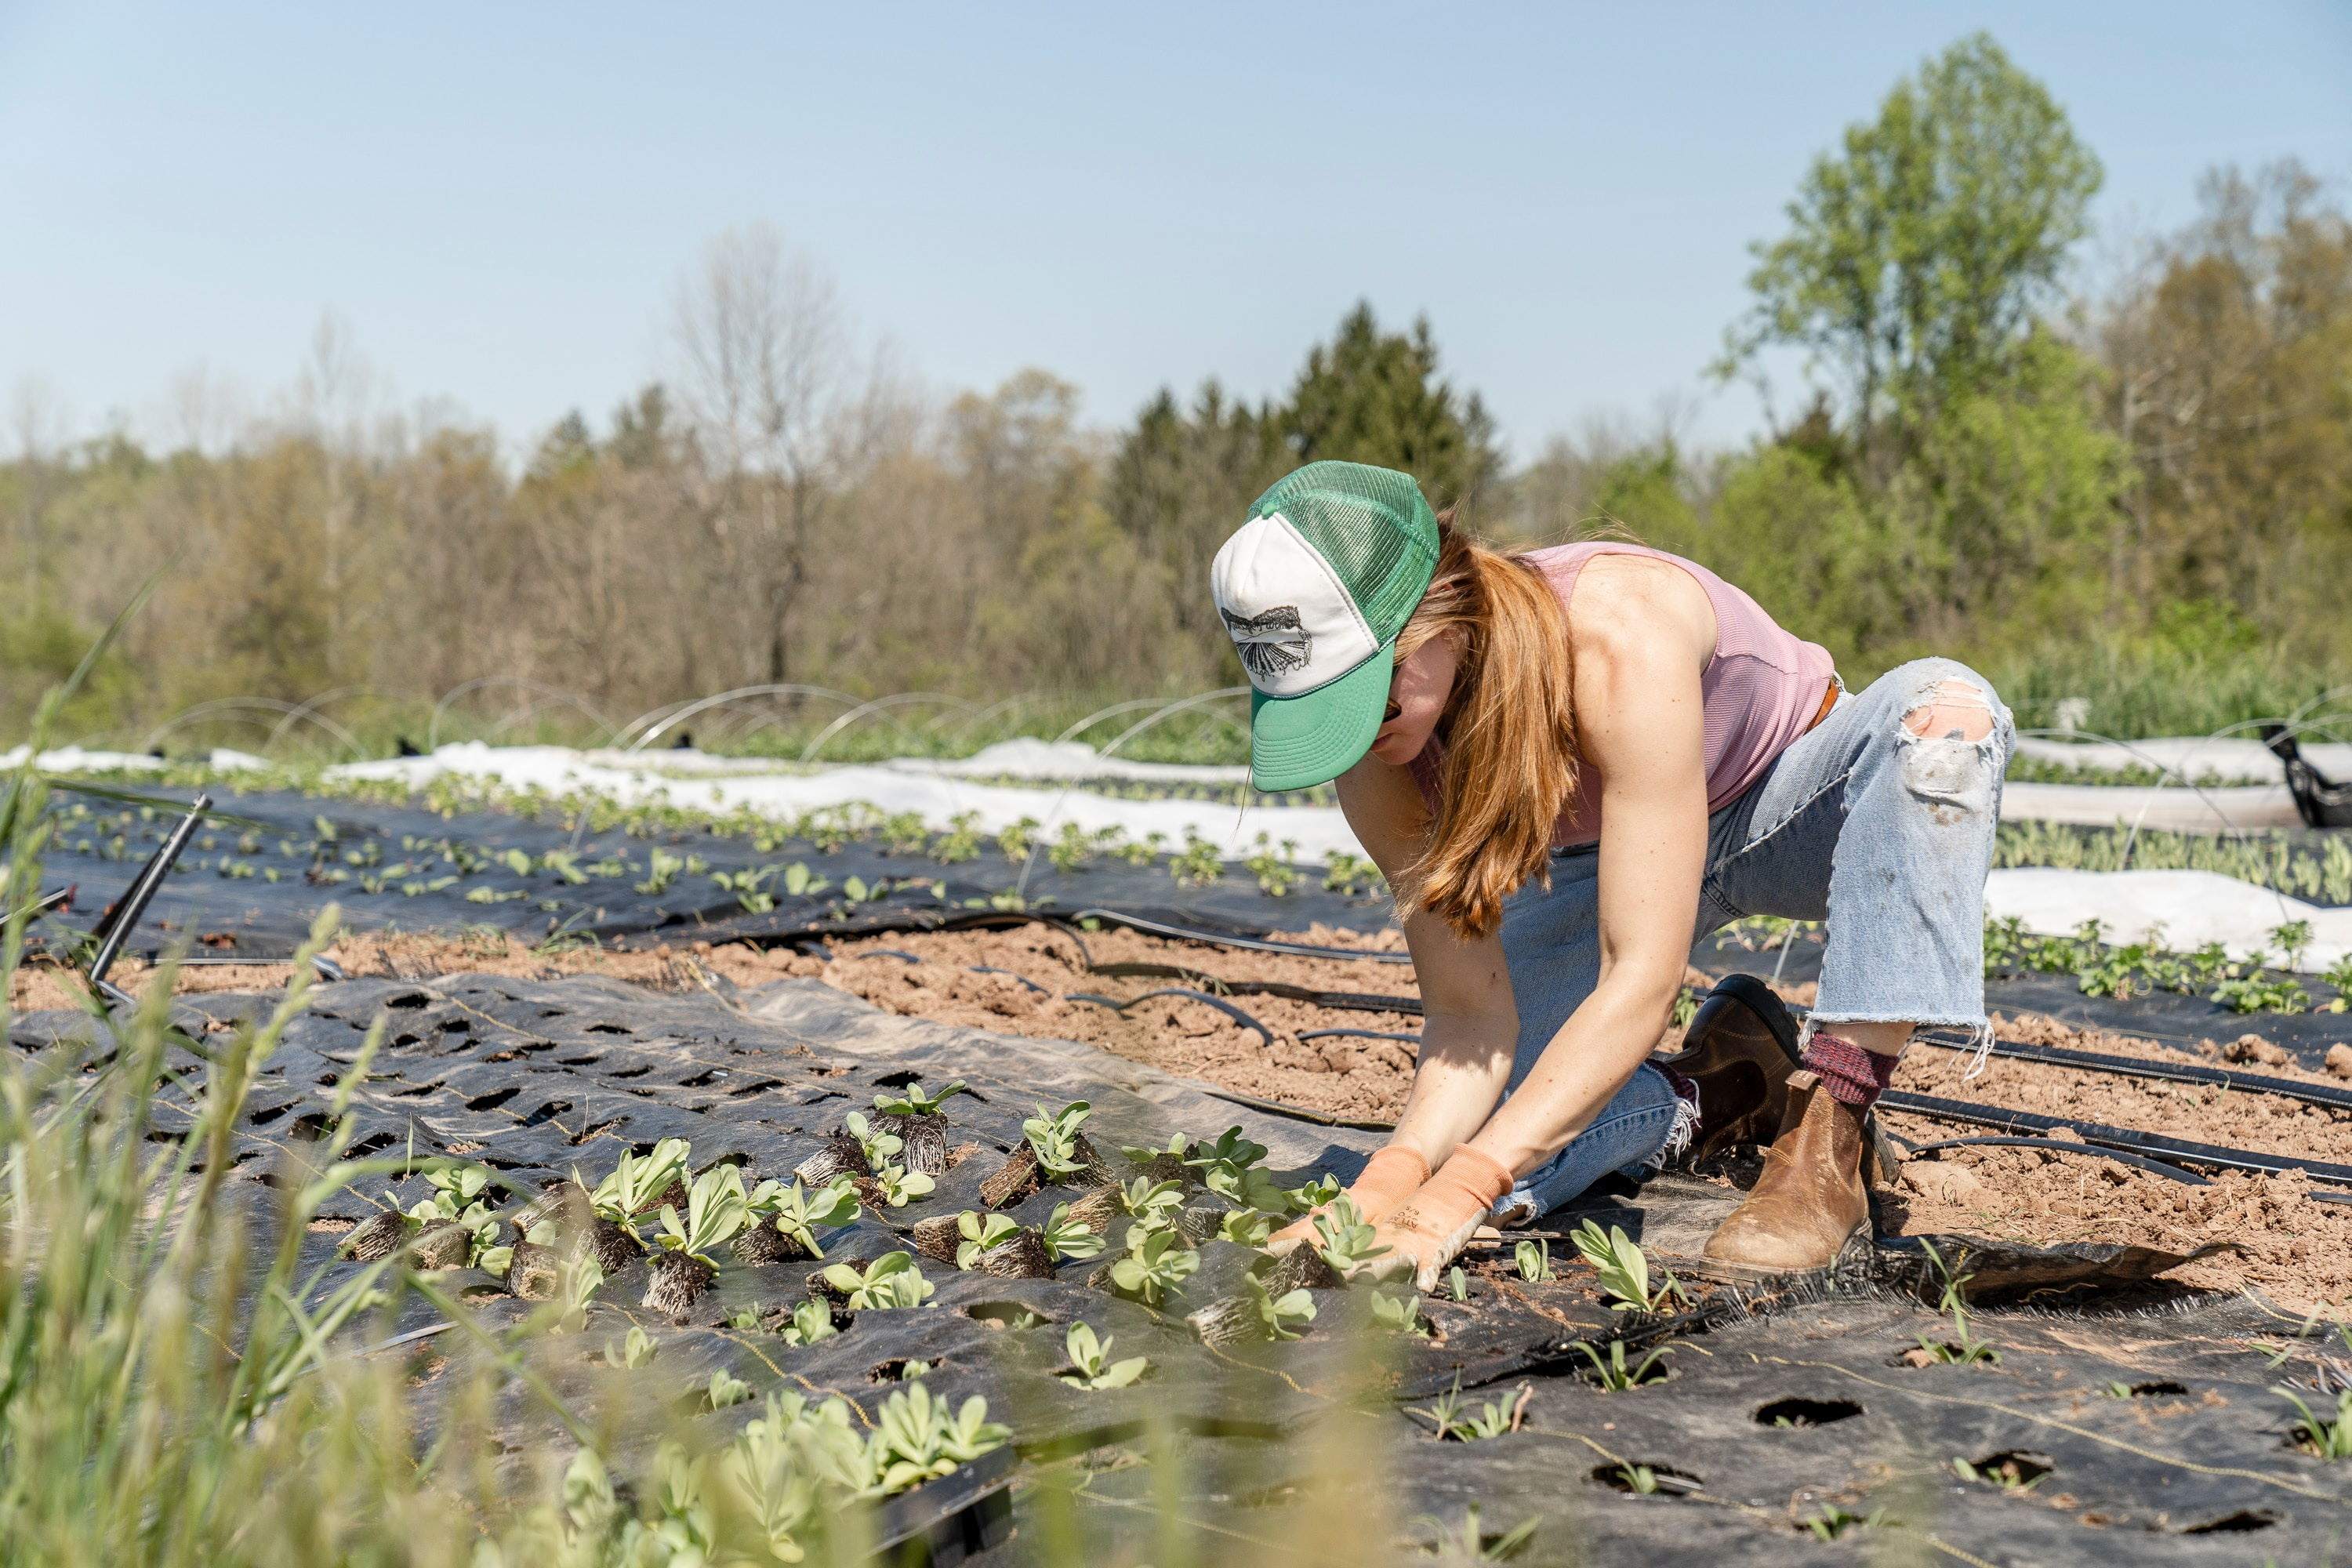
{"x":1643,"y":636}
{"x":1470,"y":1027}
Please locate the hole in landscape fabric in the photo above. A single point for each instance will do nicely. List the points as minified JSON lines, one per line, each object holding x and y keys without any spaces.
{"x":1800,"y":1412}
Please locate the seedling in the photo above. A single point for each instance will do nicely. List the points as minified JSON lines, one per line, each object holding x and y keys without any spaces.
{"x":914,"y":1100}
{"x":1157,"y":1264}
{"x":1227,"y":1164}
{"x":1198,"y":864}
{"x":981,"y":1232}
{"x":1471,"y":1543}
{"x":661,"y":869}
{"x":1398,"y":1314}
{"x":636,"y":1182}
{"x":1275,"y":873}
{"x":1314,"y":1194}
{"x":891,"y":1280}
{"x":1094,"y":1369}
{"x":1534,"y":1261}
{"x":1245,"y":1227}
{"x":1963,"y":1349}
{"x":1153,"y":1203}
{"x":809,"y":1321}
{"x":1623,"y":1270}
{"x":749,"y":887}
{"x":2322,"y":1436}
{"x":1833,"y":1522}
{"x":899,"y":1186}
{"x":1067,"y":1237}
{"x":1612,"y":1373}
{"x":881,"y":1148}
{"x":1343,"y":1237}
{"x":1054,"y":1138}
{"x":2005,"y":1473}
{"x":916,"y":1439}
{"x":1455,"y":1422}
{"x":1459,"y":1283}
{"x":575,"y":1288}
{"x":634,"y":1351}
{"x":1639,"y":1479}
{"x":797,"y":1213}
{"x":1279,"y":1317}
{"x":725,"y":1391}
{"x":716,"y":1208}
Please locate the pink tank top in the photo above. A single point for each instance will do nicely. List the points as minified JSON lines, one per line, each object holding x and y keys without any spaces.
{"x":1762,"y":690}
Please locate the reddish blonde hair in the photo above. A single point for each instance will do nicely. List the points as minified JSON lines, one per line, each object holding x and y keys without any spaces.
{"x":1508,"y":728}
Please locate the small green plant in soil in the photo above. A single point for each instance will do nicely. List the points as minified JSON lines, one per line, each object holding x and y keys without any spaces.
{"x":1090,"y":1360}
{"x":633,"y":1184}
{"x":576,"y":1285}
{"x":749,"y":887}
{"x":1343,"y":1237}
{"x":2322,"y":1436}
{"x":1279,"y":1317}
{"x":1149,"y":1202}
{"x":881,"y":1146}
{"x":981,"y":1232}
{"x":1533,"y":1259}
{"x":1640,"y":1480}
{"x":1615,"y":1373}
{"x":1963,"y":1349}
{"x":809,"y":1321}
{"x":1227,"y":1165}
{"x":1833,"y":1522}
{"x":716,"y":1208}
{"x":1469,"y":1542}
{"x":634,"y":1350}
{"x":916,"y":1100}
{"x":1156,"y":1263}
{"x":1198,"y":864}
{"x":1305,"y":1199}
{"x":890,"y":1282}
{"x":1398,"y":1314}
{"x":901,"y":1187}
{"x":661,"y":869}
{"x":1623,"y":1270}
{"x":961,"y":842}
{"x":1245,"y":1227}
{"x":1017,"y":840}
{"x":1351,"y":875}
{"x":1277,"y":873}
{"x":1067,"y":1237}
{"x":1454,"y":1420}
{"x":916,"y":1439}
{"x":2005,"y":1473}
{"x":797,"y":1213}
{"x":1054,"y":1138}
{"x":724,"y":1390}
{"x":1459,"y":1283}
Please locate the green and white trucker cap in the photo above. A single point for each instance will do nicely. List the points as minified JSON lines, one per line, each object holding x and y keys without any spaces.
{"x":1314,"y":589}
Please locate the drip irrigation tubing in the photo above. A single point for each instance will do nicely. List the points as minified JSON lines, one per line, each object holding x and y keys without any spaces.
{"x":1244,"y":943}
{"x":2141,"y":1066}
{"x":1264,"y":1035}
{"x":2179,"y":1150}
{"x":2153,"y":1166}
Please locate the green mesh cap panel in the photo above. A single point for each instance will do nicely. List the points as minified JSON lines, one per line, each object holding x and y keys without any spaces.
{"x":1373,"y":525}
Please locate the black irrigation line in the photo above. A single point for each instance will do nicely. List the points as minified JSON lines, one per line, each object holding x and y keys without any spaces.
{"x":2154,"y":1167}
{"x":1247,"y":943}
{"x":2141,"y":1066}
{"x":2180,"y":1151}
{"x":1263,"y":1033}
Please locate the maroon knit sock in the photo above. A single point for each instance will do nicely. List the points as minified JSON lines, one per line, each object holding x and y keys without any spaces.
{"x":1852,"y":1076}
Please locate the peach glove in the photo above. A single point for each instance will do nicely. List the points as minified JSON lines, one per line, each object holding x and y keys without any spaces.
{"x":1392,"y":1176}
{"x":1432,"y":1228}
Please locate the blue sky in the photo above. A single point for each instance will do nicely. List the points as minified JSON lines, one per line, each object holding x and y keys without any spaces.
{"x":497,"y":199}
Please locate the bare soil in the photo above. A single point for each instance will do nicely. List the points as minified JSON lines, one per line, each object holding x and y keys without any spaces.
{"x":1022,"y":979}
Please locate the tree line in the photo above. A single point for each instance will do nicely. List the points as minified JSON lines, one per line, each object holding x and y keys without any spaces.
{"x":2140,"y":492}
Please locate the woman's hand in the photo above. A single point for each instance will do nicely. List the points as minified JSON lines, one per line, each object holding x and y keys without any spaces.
{"x":1433,"y":1226}
{"x":1391,"y":1176}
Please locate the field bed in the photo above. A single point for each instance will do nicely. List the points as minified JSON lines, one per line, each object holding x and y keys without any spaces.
{"x":1721,"y":1449}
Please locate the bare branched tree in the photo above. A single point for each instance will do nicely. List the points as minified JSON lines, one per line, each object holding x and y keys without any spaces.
{"x":769,"y":376}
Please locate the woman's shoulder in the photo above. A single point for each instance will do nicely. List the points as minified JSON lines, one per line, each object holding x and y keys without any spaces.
{"x":1624,"y":599}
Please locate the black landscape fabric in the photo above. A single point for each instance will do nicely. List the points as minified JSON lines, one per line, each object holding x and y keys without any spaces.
{"x":2121,"y":1420}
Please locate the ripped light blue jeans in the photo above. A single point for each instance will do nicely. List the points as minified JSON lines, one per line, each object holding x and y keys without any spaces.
{"x":1886,"y":834}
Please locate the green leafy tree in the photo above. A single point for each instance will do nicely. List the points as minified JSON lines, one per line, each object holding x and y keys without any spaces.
{"x":1372,"y":396}
{"x":1920,"y":252}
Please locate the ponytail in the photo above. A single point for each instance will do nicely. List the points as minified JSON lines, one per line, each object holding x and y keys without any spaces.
{"x":1509,"y":732}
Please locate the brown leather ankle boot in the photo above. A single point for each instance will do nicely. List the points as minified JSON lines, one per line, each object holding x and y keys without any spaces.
{"x":1739,"y":1050}
{"x":1811,"y":1201}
